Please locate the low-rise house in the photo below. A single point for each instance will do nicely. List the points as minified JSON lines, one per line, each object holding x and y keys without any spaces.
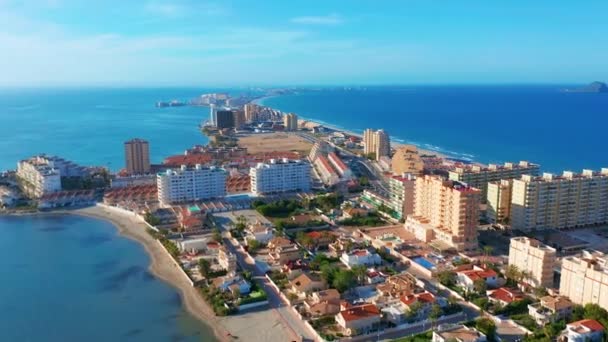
{"x":190,"y":218}
{"x":360,"y":319}
{"x":587,"y":330}
{"x":395,"y":313}
{"x":323,"y":303}
{"x":306,"y":283}
{"x":398,"y":285}
{"x":374,"y":277}
{"x":355,"y":212}
{"x":260,"y":232}
{"x":424,"y":299}
{"x":343,"y":244}
{"x":550,"y":309}
{"x":192,"y":245}
{"x":459,"y":333}
{"x":360,"y":257}
{"x":467,"y":278}
{"x":279,"y":241}
{"x":231,"y":283}
{"x":284,"y":253}
{"x":321,"y":238}
{"x":505,"y":296}
{"x":226,"y":259}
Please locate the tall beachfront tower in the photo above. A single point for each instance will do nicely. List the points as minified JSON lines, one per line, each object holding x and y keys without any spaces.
{"x":290,"y":121}
{"x":137,"y":156}
{"x":377,"y":142}
{"x":446,"y":213}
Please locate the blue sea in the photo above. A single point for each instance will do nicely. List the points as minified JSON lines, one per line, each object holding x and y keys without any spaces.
{"x":71,"y":278}
{"x":490,"y":124}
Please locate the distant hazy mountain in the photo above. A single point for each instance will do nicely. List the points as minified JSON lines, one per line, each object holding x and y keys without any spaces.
{"x":595,"y":87}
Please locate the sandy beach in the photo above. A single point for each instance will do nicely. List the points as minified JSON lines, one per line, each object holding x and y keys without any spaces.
{"x":257,"y":325}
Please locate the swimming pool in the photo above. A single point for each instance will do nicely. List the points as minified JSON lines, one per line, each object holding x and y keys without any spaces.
{"x":424,"y":263}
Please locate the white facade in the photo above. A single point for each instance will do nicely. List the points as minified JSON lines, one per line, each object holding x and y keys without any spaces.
{"x":39,"y":177}
{"x":360,"y":257}
{"x":561,"y":202}
{"x":191,"y":184}
{"x":280,"y":176}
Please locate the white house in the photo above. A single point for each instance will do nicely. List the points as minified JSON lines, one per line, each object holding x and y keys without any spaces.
{"x":458,"y":333}
{"x":587,"y":330}
{"x":467,"y":278}
{"x":232,"y":283}
{"x":360,"y":257}
{"x":260,"y":232}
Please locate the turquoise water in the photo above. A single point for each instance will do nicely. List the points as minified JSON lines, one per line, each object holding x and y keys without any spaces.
{"x":491,"y":124}
{"x":89,"y":126}
{"x":71,"y":278}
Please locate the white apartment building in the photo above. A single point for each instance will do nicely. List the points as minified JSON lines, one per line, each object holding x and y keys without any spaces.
{"x":535,"y":259}
{"x":478,"y":176}
{"x":38,"y":177}
{"x":191,"y":184}
{"x":280,"y":176}
{"x":584,"y":278}
{"x":568,"y":201}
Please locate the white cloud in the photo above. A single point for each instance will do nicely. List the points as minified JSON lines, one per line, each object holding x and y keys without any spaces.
{"x":176,"y":9}
{"x":332,"y":19}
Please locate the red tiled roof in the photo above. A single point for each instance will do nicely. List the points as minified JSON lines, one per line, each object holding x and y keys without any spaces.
{"x":326,"y":165}
{"x":590,"y":324}
{"x":360,"y":312}
{"x":507,"y":295}
{"x":340,"y":164}
{"x":189,"y":160}
{"x":479,"y":274}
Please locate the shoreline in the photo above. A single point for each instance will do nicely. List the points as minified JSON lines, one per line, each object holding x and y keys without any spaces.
{"x":421,"y":150}
{"x":161,"y":266}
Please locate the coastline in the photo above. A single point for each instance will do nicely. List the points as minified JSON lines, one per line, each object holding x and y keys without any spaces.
{"x":424,"y":151}
{"x":161,"y":264}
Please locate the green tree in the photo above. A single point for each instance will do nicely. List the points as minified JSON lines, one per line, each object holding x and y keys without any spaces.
{"x":305,"y":240}
{"x":486,"y":326}
{"x":480,"y":286}
{"x":204,"y":267}
{"x":360,"y":271}
{"x":253,"y":245}
{"x":447,"y":278}
{"x":414,"y":310}
{"x":344,"y":280}
{"x":217,"y":235}
{"x":435,"y":313}
{"x":513,"y":273}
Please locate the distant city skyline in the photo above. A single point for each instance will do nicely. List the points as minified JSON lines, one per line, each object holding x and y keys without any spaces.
{"x":241,"y":43}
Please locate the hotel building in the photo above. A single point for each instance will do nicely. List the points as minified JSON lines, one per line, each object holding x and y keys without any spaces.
{"x":224,"y":118}
{"x":584,"y":279}
{"x":402,"y":189}
{"x":561,"y":202}
{"x":290,"y":121}
{"x":406,"y":160}
{"x":38,"y":177}
{"x":535,"y":259}
{"x":280,"y":176}
{"x":479,"y":177}
{"x":377,"y":142}
{"x":499,"y":201}
{"x":191,"y":184}
{"x":446,"y":213}
{"x":137,"y":157}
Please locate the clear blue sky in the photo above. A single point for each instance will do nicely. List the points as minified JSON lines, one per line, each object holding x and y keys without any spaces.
{"x":250,"y":42}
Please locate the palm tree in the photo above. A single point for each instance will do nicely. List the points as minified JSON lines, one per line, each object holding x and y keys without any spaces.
{"x":487,"y":250}
{"x":359,"y":271}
